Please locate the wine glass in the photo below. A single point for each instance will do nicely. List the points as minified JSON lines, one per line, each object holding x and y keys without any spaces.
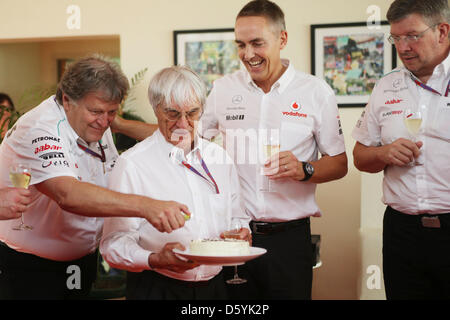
{"x":270,"y":148}
{"x":20,"y":176}
{"x":233,"y":233}
{"x":413,"y":122}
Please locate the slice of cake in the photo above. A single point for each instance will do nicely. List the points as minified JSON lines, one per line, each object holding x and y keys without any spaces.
{"x":219,"y":247}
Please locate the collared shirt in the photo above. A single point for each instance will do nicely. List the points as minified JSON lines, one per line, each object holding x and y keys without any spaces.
{"x":301,"y":108}
{"x":153,"y":168}
{"x":420,"y":188}
{"x":43,"y":139}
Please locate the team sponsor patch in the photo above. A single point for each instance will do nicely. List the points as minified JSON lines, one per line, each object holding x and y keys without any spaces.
{"x":46,"y":138}
{"x":391,"y":113}
{"x":46,"y":147}
{"x":235,"y":117}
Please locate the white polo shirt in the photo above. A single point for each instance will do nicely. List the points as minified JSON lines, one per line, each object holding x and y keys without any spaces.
{"x":421,"y":188}
{"x":153,"y":168}
{"x":302,"y":107}
{"x":43,"y":139}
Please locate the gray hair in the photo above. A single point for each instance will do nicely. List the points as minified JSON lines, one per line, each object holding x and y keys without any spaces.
{"x":177,"y":85}
{"x":267,"y":9}
{"x":433,"y":11}
{"x":93,"y":74}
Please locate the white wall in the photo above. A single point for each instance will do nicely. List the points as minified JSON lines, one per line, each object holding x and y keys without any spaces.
{"x":145,"y":30}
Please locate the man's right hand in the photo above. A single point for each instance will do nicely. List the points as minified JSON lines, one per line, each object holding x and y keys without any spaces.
{"x":166,"y":259}
{"x":13,"y":202}
{"x":400,"y":152}
{"x":166,"y":216}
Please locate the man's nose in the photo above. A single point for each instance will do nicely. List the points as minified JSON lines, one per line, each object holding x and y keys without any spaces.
{"x":183,"y":122}
{"x":104,"y":120}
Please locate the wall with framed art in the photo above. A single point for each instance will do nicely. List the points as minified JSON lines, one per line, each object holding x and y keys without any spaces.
{"x":351,"y":57}
{"x":211,"y":53}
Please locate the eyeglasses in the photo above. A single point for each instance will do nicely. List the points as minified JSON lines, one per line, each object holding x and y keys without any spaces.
{"x":409,"y":38}
{"x":175,"y":115}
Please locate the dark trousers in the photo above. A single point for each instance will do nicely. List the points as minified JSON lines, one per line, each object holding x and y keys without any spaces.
{"x":416,"y":259}
{"x":150,"y":285}
{"x":284,"y":272}
{"x":28,"y":277}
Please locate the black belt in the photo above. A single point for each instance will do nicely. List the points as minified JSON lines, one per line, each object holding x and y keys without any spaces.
{"x":426,"y":220}
{"x":260,"y":227}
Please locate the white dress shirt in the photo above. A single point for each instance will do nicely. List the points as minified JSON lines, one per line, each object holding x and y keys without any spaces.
{"x":421,"y":188}
{"x":301,"y":108}
{"x":43,"y":139}
{"x":153,"y":168}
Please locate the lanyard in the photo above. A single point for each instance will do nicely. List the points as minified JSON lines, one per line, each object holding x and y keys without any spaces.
{"x":85,"y":148}
{"x":187,"y":165}
{"x":424,"y":86}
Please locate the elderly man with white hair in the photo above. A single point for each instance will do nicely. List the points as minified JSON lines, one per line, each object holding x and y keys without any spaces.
{"x":174,"y":164}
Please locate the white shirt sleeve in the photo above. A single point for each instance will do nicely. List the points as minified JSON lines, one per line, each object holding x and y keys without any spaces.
{"x":367,"y":130}
{"x":120,"y":241}
{"x":329,"y":136}
{"x":42,"y":149}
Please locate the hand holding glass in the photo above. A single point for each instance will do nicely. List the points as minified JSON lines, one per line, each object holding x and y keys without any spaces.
{"x":413,"y":122}
{"x":20,"y":176}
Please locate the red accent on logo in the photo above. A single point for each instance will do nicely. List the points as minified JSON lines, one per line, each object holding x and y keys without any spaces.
{"x":295,"y":106}
{"x":46,"y":147}
{"x":393,"y":101}
{"x":295,"y":114}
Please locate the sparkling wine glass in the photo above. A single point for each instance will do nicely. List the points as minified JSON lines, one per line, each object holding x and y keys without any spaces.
{"x":233,"y":233}
{"x":20,"y":176}
{"x":413,"y":123}
{"x":270,"y":148}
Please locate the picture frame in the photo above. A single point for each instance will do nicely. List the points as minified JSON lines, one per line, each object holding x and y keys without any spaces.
{"x":351,"y":58}
{"x":211,"y":53}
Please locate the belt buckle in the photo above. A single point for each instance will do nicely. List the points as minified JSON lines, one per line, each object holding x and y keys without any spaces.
{"x":255,"y":227}
{"x":431,"y":222}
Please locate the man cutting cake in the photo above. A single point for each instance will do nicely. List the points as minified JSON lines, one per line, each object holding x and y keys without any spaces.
{"x":174,"y":164}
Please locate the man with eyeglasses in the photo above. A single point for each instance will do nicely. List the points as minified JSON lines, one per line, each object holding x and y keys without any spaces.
{"x":174,"y":164}
{"x":416,"y":185}
{"x":67,"y":143}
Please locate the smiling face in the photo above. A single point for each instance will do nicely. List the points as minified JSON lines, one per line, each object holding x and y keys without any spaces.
{"x":422,"y":56}
{"x":90,"y":116}
{"x":259,"y":44}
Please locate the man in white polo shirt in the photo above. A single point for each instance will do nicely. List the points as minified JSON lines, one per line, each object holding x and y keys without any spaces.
{"x":68,"y":146}
{"x":184,"y":167}
{"x":416,"y":185}
{"x":271,"y":96}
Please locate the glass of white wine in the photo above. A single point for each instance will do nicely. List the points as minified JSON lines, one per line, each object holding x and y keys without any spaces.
{"x":20,"y":176}
{"x":233,"y":233}
{"x":270,"y":149}
{"x":413,"y":123}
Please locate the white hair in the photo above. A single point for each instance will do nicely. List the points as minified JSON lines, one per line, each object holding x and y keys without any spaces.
{"x":177,"y":85}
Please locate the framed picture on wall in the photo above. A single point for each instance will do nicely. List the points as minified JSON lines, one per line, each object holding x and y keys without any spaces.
{"x":351,"y":57}
{"x":211,"y":53}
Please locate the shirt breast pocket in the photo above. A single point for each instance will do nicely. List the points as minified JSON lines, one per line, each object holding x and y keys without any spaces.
{"x":440,"y":122}
{"x":220,"y":206}
{"x":297,"y":138}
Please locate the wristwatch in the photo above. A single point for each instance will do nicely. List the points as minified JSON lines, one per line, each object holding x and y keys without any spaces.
{"x":308,"y":169}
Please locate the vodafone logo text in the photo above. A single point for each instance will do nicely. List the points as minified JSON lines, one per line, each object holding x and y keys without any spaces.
{"x":294,"y":114}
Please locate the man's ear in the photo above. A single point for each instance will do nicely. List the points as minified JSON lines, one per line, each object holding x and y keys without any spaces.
{"x":444,"y":29}
{"x":283,"y":38}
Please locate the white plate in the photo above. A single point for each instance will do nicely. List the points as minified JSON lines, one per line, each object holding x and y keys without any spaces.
{"x":255,"y":252}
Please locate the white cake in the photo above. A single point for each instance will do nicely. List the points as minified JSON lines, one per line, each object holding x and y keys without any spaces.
{"x":219,"y":247}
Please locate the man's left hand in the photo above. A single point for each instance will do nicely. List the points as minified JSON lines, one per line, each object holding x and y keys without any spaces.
{"x":284,"y":165}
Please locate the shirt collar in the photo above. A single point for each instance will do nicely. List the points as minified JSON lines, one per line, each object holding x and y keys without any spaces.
{"x":281,"y":83}
{"x":177,"y":154}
